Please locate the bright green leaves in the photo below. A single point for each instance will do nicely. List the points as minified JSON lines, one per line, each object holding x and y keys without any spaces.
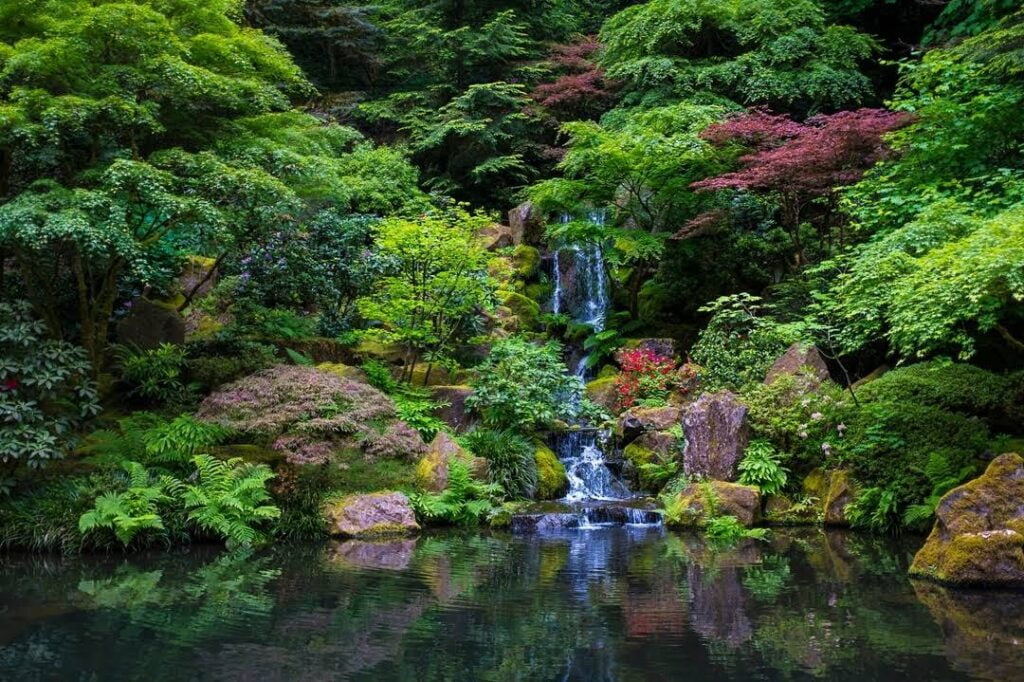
{"x":776,"y":52}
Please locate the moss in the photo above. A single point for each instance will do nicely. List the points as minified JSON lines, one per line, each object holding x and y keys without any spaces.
{"x":502,"y":517}
{"x":439,"y":376}
{"x":172,"y":303}
{"x":371,"y":349}
{"x":608,"y":372}
{"x":602,"y":391}
{"x":344,"y":371}
{"x":526,"y":260}
{"x":538,"y":291}
{"x":816,"y":483}
{"x":502,"y":271}
{"x":551,"y":478}
{"x":524,"y":309}
{"x":257,"y":454}
{"x":576,"y":332}
{"x":638,"y":455}
{"x":361,"y":475}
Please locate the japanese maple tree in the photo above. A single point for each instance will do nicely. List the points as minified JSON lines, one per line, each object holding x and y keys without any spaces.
{"x":801,"y":166}
{"x":581,"y":90}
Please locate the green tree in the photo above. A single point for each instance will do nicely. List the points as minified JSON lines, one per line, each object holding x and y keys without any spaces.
{"x":437,"y":290}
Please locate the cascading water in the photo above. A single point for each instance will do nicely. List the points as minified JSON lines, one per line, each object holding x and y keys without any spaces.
{"x":584,"y":298}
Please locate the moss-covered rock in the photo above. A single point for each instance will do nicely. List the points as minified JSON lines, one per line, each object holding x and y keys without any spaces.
{"x":816,"y":483}
{"x":344,"y":371}
{"x":538,"y":291}
{"x":978,"y":538}
{"x":841,"y":492}
{"x":608,"y":372}
{"x":551,"y":479}
{"x":371,"y":349}
{"x":526,"y":261}
{"x":577,"y":332}
{"x":698,"y":502}
{"x":602,"y":392}
{"x":375,"y":514}
{"x":432,"y":468}
{"x":426,"y":374}
{"x":526,"y":311}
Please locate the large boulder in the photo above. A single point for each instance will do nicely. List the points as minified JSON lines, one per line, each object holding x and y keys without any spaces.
{"x":497,"y":236}
{"x":453,"y":411}
{"x":699,"y":501}
{"x":150,"y":324}
{"x":432,"y":469}
{"x":803,"y":360}
{"x":526,"y":224}
{"x":717,"y":433}
{"x":373,"y":514}
{"x":552,"y":482}
{"x":638,"y":420}
{"x":978,"y":538}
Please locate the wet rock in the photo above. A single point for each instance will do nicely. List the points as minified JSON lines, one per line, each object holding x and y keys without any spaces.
{"x":841,"y":492}
{"x":373,"y":514}
{"x":533,"y":522}
{"x":392,"y":555}
{"x":978,"y":538}
{"x":455,"y":413}
{"x":552,"y":482}
{"x":150,"y":324}
{"x":983,"y":629}
{"x":526,"y":223}
{"x":717,"y":433}
{"x":638,"y":420}
{"x":800,"y":359}
{"x":727,"y":499}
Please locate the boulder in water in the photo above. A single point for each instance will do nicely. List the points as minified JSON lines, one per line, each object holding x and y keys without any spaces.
{"x":698,"y":501}
{"x":978,"y":538}
{"x":717,"y":433}
{"x":374,"y":514}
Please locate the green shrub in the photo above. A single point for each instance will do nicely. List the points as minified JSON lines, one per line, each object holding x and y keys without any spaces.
{"x":954,"y":386}
{"x":523,"y":385}
{"x":156,"y":375}
{"x":213,"y":363}
{"x":727,"y":530}
{"x":415,"y":408}
{"x":511,"y":461}
{"x":740,"y":343}
{"x":46,"y":392}
{"x":762,"y":468}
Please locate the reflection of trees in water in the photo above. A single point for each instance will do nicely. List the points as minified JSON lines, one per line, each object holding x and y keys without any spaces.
{"x":589,"y":605}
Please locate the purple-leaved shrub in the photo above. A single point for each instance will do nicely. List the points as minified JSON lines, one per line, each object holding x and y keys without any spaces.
{"x":308,"y":413}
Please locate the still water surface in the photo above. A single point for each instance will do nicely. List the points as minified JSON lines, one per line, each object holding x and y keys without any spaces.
{"x":605,"y":604}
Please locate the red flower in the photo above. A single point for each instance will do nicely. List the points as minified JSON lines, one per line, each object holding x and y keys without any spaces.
{"x":10,"y":384}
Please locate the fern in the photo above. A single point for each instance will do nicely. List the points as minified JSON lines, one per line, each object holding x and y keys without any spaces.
{"x":464,"y":502}
{"x":132,"y":511}
{"x":761,"y":467}
{"x":229,"y":499}
{"x":943,"y":478}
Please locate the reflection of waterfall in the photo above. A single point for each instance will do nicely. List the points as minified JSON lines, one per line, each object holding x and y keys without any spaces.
{"x":581,"y":292}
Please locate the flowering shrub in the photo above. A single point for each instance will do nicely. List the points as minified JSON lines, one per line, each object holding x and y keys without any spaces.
{"x":645,"y":375}
{"x":307,"y":413}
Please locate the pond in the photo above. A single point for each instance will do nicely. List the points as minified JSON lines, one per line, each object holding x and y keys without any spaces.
{"x":603,"y":604}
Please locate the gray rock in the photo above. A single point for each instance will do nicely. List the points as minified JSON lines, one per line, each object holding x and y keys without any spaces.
{"x":373,"y":514}
{"x":805,"y":360}
{"x":150,"y":324}
{"x":717,"y":433}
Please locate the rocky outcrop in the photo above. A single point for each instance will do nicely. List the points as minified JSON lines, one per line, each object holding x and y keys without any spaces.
{"x":978,"y":538}
{"x":552,"y":482}
{"x":697,"y":502}
{"x":149,"y":324}
{"x":717,"y":433}
{"x":637,"y":420}
{"x":526,"y":224}
{"x":803,"y":360}
{"x":369,"y":515}
{"x":455,"y":413}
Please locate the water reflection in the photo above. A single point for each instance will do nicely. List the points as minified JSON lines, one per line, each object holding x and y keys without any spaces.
{"x":607,"y":604}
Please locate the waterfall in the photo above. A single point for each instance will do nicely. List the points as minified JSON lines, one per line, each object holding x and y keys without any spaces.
{"x":584,"y":298}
